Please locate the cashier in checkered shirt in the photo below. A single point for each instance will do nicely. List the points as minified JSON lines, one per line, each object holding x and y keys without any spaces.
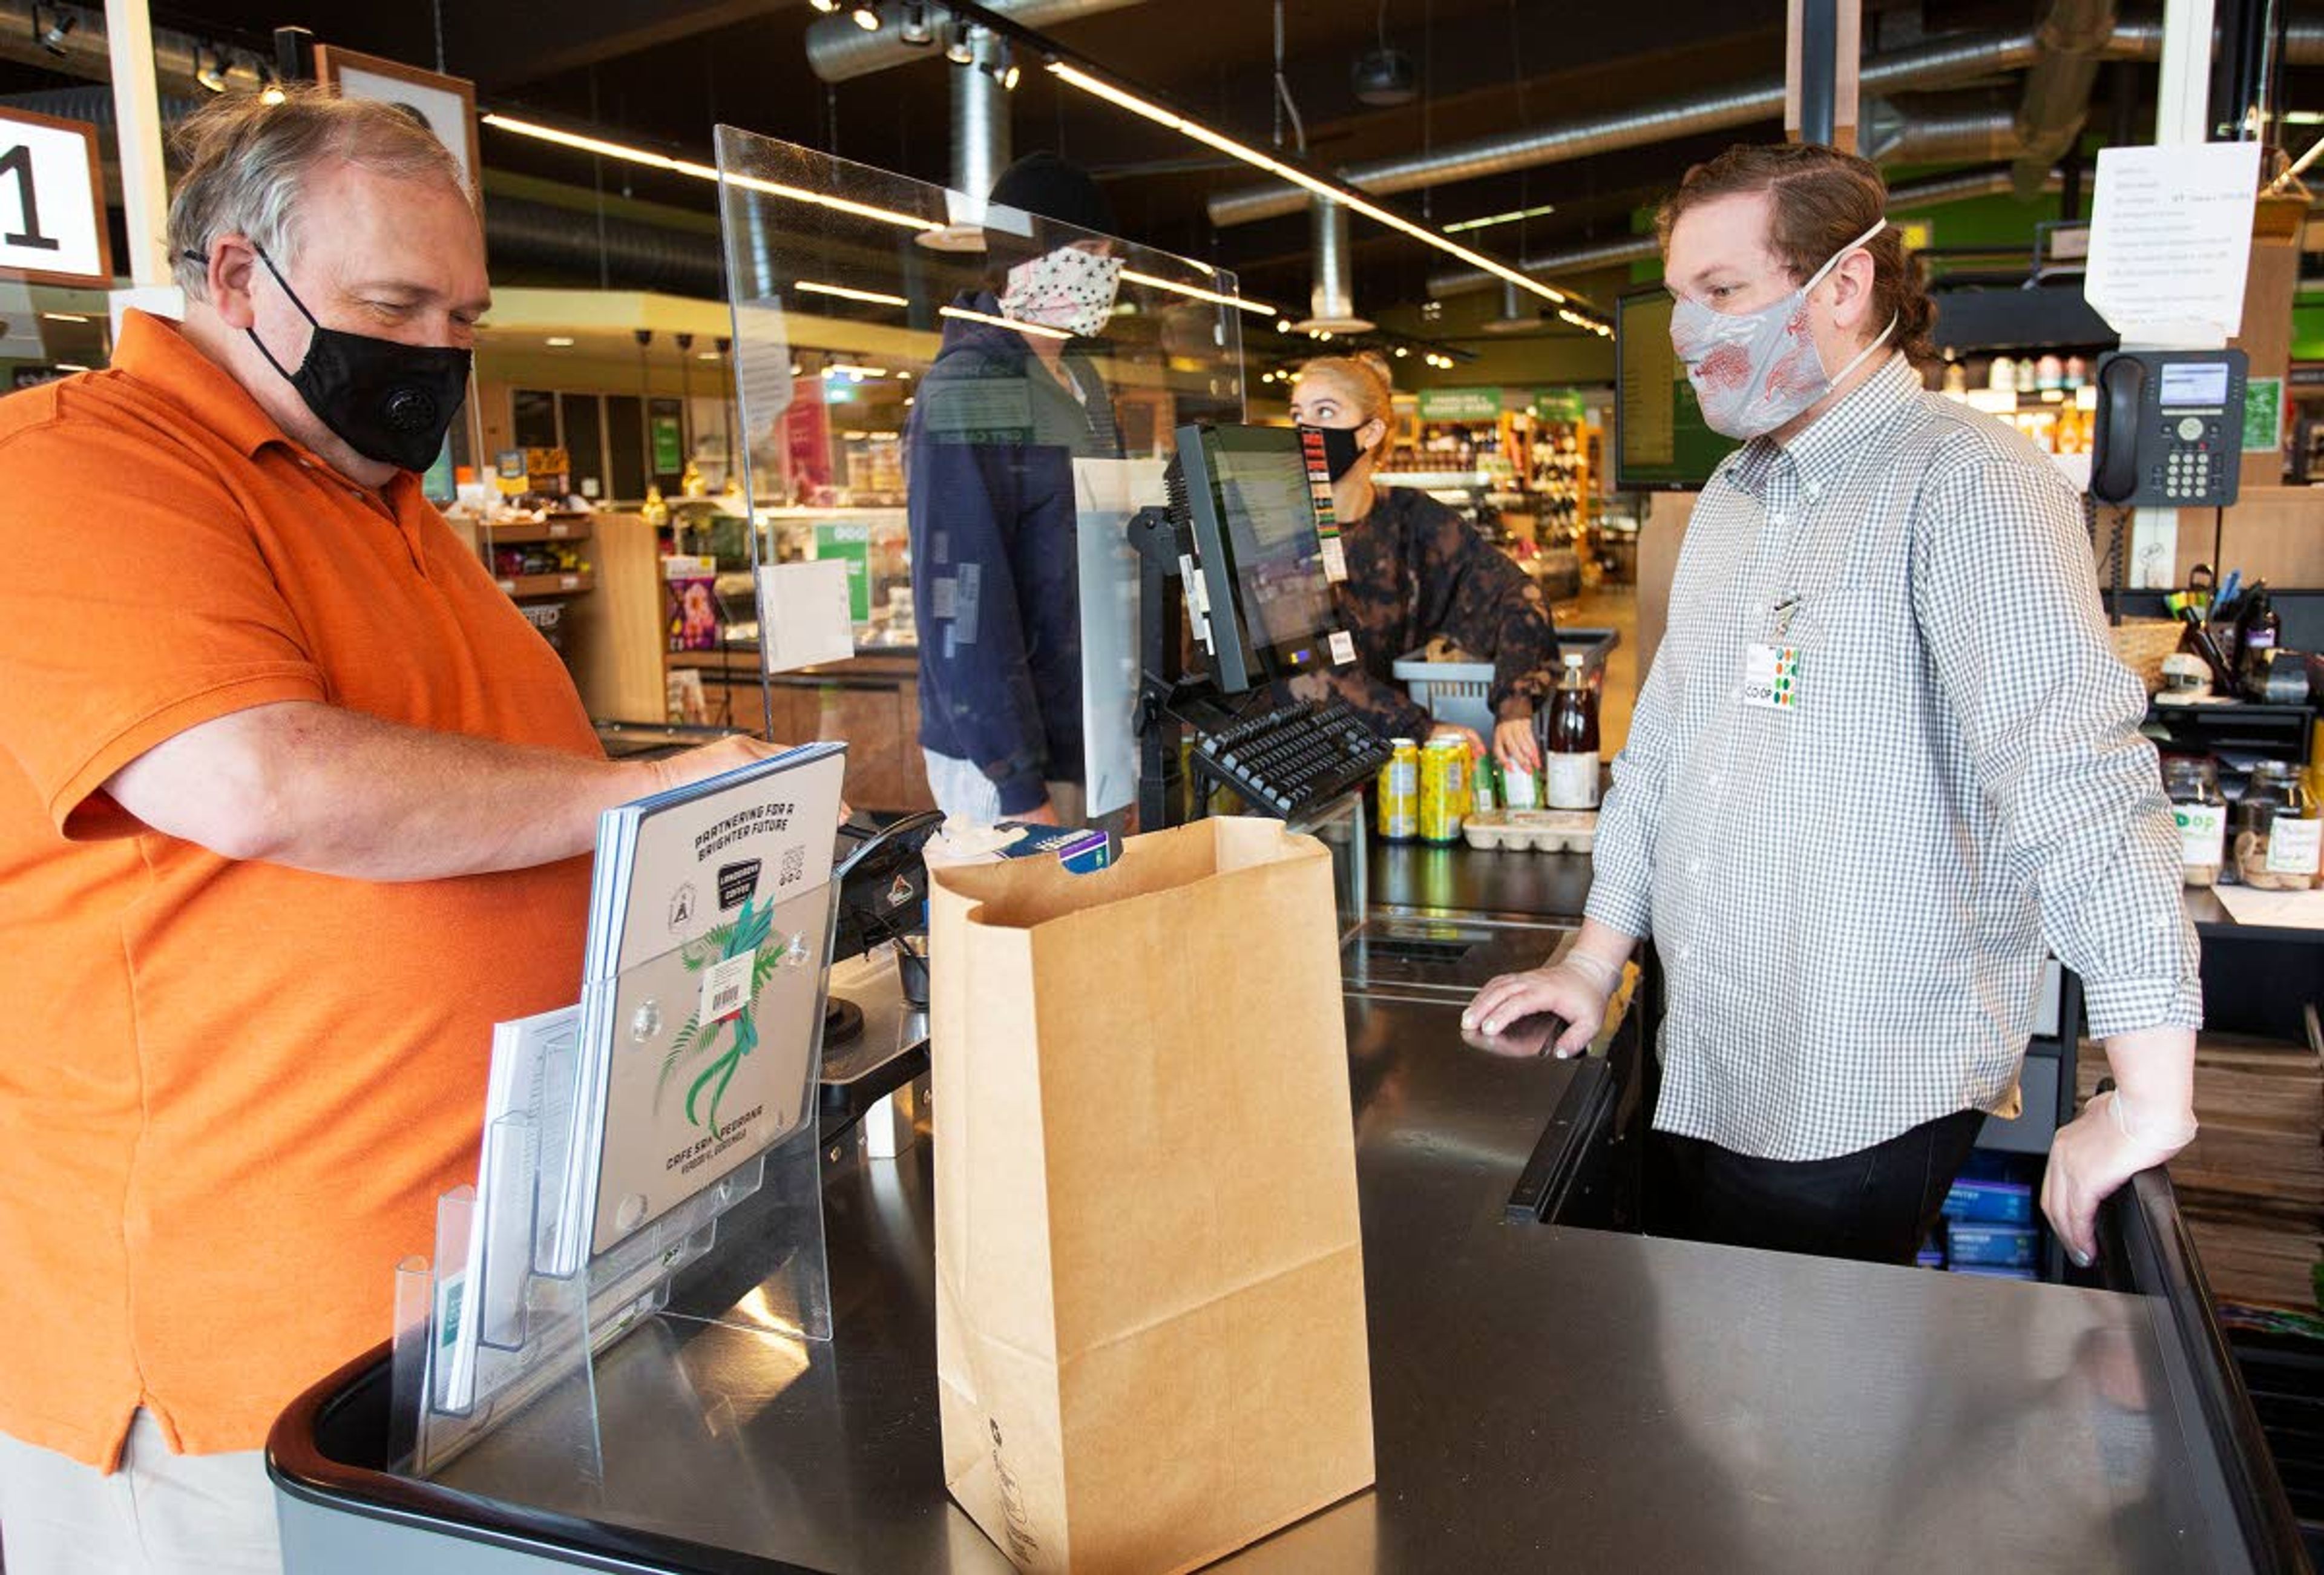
{"x":1885,"y":763}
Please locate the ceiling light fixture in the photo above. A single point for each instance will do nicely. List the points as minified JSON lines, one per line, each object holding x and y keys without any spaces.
{"x":599,"y":145}
{"x":811,"y":287}
{"x":826,"y":7}
{"x":1345,"y":196}
{"x":1510,"y":217}
{"x":209,"y":70}
{"x":706,"y":356}
{"x":63,"y":317}
{"x":49,"y":26}
{"x":957,"y":48}
{"x":866,"y":16}
{"x":1000,"y":63}
{"x":912,"y":24}
{"x":70,"y":366}
{"x":560,"y":341}
{"x":1151,"y":282}
{"x":966,"y":316}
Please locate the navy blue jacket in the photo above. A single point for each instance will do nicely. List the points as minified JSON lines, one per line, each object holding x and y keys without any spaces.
{"x":989,"y":479}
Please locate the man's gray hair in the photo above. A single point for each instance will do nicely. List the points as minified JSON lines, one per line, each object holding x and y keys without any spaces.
{"x":246,"y":159}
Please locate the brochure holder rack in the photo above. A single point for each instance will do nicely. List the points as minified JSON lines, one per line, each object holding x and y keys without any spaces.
{"x":492,"y":1343}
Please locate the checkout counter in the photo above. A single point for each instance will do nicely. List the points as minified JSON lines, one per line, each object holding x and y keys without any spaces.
{"x":1549,"y":1391}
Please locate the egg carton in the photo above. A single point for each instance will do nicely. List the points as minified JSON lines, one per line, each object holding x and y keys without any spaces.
{"x":1544,"y":830}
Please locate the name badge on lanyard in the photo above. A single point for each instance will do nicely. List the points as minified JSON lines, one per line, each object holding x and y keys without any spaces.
{"x":1771,"y":676}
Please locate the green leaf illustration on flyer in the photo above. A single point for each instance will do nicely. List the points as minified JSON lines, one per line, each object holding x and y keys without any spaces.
{"x":703,"y":1011}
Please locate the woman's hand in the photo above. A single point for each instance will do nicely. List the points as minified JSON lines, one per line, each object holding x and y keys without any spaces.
{"x":1514,"y":745}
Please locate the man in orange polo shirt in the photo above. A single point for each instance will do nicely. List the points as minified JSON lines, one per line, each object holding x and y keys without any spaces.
{"x":294,"y":806}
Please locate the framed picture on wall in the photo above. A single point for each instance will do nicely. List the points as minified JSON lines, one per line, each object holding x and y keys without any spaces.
{"x":447,"y":104}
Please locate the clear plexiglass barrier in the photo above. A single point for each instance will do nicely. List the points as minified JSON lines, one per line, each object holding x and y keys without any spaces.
{"x":963,"y":404}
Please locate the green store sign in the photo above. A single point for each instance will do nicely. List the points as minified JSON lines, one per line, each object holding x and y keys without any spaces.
{"x":1560,"y":404}
{"x":1460,"y":404}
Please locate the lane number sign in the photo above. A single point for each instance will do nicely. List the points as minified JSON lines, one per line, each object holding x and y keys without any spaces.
{"x":51,"y":202}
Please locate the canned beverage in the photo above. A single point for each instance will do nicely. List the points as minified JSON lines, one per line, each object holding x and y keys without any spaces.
{"x":1444,"y":789}
{"x":1399,"y":793}
{"x":1484,"y":784}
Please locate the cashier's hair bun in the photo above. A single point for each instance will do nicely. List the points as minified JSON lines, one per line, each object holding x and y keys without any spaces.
{"x":1821,"y":200}
{"x":1363,"y":378}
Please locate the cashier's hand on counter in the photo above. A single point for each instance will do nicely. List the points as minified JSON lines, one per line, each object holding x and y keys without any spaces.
{"x":1559,"y":1009}
{"x":2148,"y":1116}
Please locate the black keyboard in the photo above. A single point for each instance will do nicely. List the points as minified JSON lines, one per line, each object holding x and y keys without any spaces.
{"x":1294,"y":758}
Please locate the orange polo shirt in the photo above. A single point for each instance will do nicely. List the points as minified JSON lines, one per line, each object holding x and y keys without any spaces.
{"x":229,"y":1092}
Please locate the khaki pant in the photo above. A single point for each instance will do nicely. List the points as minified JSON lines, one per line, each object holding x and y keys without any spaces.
{"x":160,"y":1514}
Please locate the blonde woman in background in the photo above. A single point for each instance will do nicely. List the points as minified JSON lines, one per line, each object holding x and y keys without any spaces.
{"x":1417,"y":570}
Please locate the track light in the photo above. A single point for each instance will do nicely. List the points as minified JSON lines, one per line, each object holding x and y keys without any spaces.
{"x":955,"y":42}
{"x":866,"y":16}
{"x":209,"y":70}
{"x":997,"y":60}
{"x":825,"y":7}
{"x":50,"y":27}
{"x":912,"y":24}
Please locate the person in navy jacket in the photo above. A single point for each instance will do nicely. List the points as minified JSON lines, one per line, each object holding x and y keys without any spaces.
{"x":1011,"y":402}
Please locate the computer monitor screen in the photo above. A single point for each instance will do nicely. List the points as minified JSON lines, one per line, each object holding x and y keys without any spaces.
{"x":1660,"y":440}
{"x":1252,"y":503}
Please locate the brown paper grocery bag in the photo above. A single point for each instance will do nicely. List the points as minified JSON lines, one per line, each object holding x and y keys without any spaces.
{"x":1149,"y":1271}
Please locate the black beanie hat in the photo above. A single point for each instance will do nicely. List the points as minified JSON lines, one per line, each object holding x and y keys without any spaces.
{"x":1047,"y":185}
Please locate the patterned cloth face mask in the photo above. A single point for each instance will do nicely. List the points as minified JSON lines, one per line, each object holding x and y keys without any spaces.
{"x":1753,"y":370}
{"x":1067,"y":289}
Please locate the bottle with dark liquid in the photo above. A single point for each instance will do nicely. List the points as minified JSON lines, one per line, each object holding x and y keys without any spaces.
{"x":1572,"y":741}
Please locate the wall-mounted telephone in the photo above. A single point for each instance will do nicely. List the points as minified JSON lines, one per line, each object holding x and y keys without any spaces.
{"x":2170,"y":428}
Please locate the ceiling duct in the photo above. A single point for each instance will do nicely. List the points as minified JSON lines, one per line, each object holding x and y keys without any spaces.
{"x":1989,"y":182}
{"x":980,"y":136}
{"x":1332,"y":305}
{"x":2072,"y":39}
{"x":1970,"y":128}
{"x":1926,"y":65}
{"x":840,"y":50}
{"x":1516,"y":317}
{"x":1935,"y":63}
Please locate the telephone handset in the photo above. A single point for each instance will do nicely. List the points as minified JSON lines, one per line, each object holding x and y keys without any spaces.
{"x":2169,"y":431}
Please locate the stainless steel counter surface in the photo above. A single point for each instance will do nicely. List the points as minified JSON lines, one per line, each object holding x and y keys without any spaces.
{"x":1543,"y":1397}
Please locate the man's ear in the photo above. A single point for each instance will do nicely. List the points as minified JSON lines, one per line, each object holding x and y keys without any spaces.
{"x":233,"y":274}
{"x":1851,"y":296}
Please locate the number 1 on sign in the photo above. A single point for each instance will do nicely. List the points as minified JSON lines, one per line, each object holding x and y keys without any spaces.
{"x":18,"y":162}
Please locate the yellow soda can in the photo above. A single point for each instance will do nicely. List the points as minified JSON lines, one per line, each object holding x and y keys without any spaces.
{"x":1399,"y":793}
{"x":1444,"y":789}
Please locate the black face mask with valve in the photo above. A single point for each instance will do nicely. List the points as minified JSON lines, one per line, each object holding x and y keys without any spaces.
{"x":388,"y":402}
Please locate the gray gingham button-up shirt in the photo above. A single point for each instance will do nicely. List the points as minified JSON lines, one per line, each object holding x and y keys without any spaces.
{"x":1853,"y":896}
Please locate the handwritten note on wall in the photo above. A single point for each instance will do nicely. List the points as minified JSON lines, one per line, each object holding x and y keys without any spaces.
{"x":2170,"y":233}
